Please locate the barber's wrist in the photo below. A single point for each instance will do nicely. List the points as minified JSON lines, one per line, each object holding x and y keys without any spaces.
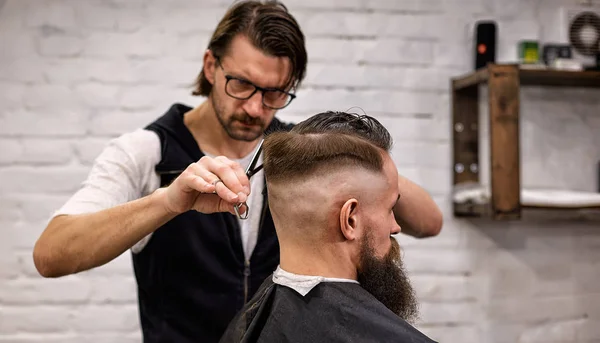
{"x":160,"y":202}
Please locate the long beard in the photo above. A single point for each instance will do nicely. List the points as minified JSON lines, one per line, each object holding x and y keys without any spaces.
{"x":387,"y":281}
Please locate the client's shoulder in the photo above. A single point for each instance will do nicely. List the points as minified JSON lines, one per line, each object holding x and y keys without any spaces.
{"x":365,"y":318}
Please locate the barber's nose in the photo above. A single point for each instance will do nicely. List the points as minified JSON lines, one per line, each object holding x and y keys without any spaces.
{"x":254,"y":106}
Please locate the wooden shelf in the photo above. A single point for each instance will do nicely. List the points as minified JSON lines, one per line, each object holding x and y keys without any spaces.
{"x":535,"y":77}
{"x":475,"y":199}
{"x":504,"y":83}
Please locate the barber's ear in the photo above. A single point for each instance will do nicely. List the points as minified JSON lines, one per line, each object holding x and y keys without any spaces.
{"x":349,"y":219}
{"x":210,"y":64}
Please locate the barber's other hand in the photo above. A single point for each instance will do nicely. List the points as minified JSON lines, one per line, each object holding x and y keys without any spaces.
{"x":195,"y":188}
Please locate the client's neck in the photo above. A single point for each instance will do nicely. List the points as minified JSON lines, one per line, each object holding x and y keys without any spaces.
{"x":321,"y":259}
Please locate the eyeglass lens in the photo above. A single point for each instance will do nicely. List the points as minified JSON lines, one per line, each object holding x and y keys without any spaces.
{"x":242,"y":90}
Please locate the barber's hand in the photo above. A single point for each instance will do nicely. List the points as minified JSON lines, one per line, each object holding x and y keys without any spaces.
{"x":195,"y":188}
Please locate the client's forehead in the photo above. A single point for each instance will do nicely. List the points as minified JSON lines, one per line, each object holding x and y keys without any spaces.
{"x":389,"y":167}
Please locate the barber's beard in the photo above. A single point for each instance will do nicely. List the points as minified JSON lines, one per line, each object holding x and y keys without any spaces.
{"x":248,"y":134}
{"x":387,"y":281}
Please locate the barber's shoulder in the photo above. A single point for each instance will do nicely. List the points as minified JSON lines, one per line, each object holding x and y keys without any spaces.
{"x":141,"y":145}
{"x":140,"y":136}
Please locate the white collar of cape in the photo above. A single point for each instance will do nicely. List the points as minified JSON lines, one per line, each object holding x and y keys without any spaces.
{"x":302,"y":283}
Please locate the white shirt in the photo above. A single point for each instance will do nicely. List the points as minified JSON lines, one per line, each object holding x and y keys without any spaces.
{"x":302,"y":284}
{"x":124,"y":171}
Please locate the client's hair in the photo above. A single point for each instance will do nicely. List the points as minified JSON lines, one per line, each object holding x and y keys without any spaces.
{"x":363,"y":125}
{"x":324,"y":142}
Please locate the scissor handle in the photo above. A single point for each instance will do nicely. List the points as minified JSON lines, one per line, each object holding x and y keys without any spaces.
{"x":236,"y":208}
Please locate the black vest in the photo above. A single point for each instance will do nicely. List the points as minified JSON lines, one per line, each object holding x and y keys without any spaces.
{"x":192,"y":275}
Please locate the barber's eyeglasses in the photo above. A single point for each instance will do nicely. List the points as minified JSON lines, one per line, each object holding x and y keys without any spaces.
{"x":241,"y":89}
{"x":250,"y":171}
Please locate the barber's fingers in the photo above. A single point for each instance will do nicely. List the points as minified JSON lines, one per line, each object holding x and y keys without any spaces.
{"x":205,"y":181}
{"x":239,"y":172}
{"x":196,"y":179}
{"x":221,"y":175}
{"x":211,"y":203}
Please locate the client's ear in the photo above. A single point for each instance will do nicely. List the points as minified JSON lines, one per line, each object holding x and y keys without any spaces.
{"x":349,"y":219}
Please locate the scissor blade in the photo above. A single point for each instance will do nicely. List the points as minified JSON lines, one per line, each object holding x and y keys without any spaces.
{"x":254,"y":159}
{"x":254,"y":171}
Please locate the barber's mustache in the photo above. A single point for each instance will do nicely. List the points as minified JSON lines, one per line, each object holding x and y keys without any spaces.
{"x":247,"y":119}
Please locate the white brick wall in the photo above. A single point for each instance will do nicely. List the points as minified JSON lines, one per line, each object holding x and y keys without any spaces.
{"x":75,"y":73}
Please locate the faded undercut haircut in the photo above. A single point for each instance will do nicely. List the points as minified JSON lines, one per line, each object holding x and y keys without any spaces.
{"x":324,"y":143}
{"x":269,"y":27}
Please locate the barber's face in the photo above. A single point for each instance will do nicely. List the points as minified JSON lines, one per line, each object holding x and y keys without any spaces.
{"x":246,"y":119}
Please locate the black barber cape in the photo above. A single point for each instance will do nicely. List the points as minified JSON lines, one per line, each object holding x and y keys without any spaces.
{"x":330,"y":312}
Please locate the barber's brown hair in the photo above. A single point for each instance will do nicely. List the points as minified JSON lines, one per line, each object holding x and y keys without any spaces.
{"x":290,"y":155}
{"x":269,"y":27}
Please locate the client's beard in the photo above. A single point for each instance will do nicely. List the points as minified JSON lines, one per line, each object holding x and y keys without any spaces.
{"x":387,"y":281}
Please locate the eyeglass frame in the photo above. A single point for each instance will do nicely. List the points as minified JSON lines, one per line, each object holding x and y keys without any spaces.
{"x":256,"y":89}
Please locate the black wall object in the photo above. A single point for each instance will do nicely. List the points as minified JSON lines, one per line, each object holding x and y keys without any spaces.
{"x":485,"y":43}
{"x":554,"y":51}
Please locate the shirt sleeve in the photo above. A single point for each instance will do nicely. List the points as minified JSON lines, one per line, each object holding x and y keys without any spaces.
{"x":123,"y":172}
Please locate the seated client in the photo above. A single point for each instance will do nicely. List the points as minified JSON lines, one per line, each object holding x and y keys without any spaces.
{"x":332,"y":187}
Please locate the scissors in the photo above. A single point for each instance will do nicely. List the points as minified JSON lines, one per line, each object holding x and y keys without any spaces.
{"x":250,"y":171}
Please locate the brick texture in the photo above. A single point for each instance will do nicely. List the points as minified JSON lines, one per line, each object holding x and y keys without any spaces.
{"x":74,"y":74}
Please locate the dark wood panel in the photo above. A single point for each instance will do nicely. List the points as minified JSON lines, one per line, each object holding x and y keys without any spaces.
{"x":588,"y":79}
{"x":471,"y":210}
{"x":503,"y":87}
{"x":465,"y":135}
{"x":563,"y":207}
